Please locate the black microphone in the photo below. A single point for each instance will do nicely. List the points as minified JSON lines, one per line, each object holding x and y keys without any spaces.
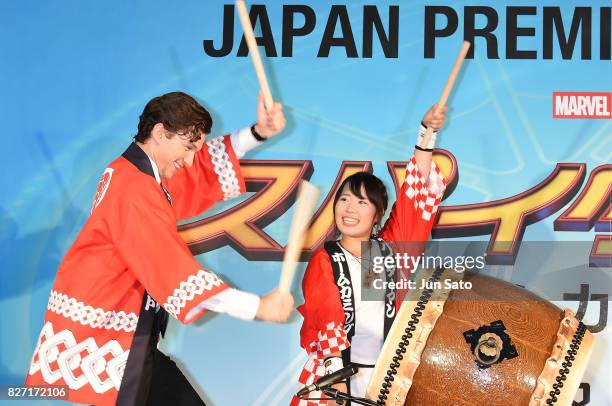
{"x":330,"y":379}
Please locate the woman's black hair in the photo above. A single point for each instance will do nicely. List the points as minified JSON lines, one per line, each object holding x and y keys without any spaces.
{"x":375,"y":191}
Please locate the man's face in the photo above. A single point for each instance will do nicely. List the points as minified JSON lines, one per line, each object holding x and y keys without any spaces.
{"x":176,"y":152}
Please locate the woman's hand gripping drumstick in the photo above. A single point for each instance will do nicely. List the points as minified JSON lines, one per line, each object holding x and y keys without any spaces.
{"x":448,"y":87}
{"x":434,"y":118}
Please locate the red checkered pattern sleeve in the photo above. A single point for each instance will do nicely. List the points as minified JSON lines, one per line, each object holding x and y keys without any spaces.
{"x":414,"y":212}
{"x":214,"y":176}
{"x":331,"y":340}
{"x":322,"y":332}
{"x":143,"y":229}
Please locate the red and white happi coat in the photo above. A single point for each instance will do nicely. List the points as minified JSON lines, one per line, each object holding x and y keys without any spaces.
{"x":412,"y":218}
{"x":129,"y":244}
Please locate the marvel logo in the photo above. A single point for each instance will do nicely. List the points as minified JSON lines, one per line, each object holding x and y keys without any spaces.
{"x":582,"y":104}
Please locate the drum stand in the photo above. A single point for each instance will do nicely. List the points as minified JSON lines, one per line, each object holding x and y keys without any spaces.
{"x":340,"y":396}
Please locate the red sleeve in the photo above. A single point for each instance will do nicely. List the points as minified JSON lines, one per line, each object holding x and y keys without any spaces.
{"x":322,"y":333}
{"x":143,"y":228}
{"x":214,"y":176}
{"x":321,"y":300}
{"x":414,"y":212}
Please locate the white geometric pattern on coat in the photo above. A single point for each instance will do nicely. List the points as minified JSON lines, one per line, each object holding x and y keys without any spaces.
{"x":195,"y":285}
{"x":87,"y":315}
{"x":59,"y":356}
{"x":223,"y":168}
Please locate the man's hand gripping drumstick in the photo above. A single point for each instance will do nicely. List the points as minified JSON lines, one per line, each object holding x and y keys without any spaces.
{"x":278,"y":304}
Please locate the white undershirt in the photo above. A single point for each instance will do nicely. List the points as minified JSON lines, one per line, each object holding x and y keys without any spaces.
{"x":369,"y":329}
{"x":233,"y":302}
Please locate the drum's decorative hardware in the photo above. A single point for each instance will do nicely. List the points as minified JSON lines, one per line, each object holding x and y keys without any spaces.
{"x":490,"y":344}
{"x":569,"y":358}
{"x":488,"y":349}
{"x":403,"y":344}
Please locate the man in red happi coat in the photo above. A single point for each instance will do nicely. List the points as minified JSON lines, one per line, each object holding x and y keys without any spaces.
{"x":129,"y":268}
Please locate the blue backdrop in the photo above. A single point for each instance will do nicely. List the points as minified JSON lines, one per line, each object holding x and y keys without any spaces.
{"x":75,"y":76}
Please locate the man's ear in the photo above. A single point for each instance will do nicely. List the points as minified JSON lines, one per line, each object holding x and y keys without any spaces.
{"x":158,"y":132}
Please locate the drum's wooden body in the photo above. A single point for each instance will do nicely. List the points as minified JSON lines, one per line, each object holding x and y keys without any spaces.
{"x":456,"y":355}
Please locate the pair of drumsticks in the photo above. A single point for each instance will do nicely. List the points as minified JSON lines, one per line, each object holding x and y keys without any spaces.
{"x":308,"y":194}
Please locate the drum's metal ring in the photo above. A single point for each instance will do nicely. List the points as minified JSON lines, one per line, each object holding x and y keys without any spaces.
{"x":491,"y":343}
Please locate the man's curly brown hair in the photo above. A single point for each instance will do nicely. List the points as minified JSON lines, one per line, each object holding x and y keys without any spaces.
{"x":179,"y":113}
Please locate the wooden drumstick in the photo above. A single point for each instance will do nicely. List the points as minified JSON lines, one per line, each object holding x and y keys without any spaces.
{"x":447,"y":88}
{"x":254,"y":51}
{"x":308,"y":195}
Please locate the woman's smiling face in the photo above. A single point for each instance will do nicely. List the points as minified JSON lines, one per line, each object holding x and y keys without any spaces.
{"x":354,"y":216}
